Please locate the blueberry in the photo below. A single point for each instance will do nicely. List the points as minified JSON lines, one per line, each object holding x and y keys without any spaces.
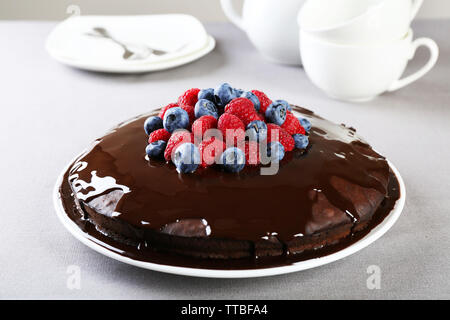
{"x":301,"y":141}
{"x":288,"y":105}
{"x":305,"y":123}
{"x":275,"y":151}
{"x":207,"y":94}
{"x":186,"y":158}
{"x":224,"y":94}
{"x":257,"y":130}
{"x":277,"y":112}
{"x":175,"y":118}
{"x":253,"y":98}
{"x":238,"y":92}
{"x":155,"y":150}
{"x":233,"y":159}
{"x":205,"y":107}
{"x":285,"y":103}
{"x":152,"y":124}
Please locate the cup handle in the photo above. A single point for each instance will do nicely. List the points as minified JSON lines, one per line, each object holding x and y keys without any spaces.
{"x":415,"y":8}
{"x":231,"y":13}
{"x":434,"y":54}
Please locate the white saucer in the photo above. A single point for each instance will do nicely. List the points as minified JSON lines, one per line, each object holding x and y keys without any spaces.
{"x":183,"y":37}
{"x":141,"y":68}
{"x":372,"y":236}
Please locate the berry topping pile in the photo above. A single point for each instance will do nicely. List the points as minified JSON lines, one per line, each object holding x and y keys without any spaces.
{"x":224,"y":127}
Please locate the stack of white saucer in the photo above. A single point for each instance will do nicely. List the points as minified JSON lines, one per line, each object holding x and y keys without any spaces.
{"x":355,"y":50}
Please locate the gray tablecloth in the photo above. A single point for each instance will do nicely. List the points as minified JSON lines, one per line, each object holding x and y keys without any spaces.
{"x":50,"y":112}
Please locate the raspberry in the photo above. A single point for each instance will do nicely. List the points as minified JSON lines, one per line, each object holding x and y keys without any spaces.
{"x":262,"y":117}
{"x":263,"y":100}
{"x":243,"y":109}
{"x":190,"y":111}
{"x":292,"y":125}
{"x":202,"y":124}
{"x":253,"y":117}
{"x":231,"y":124}
{"x":210,"y":150}
{"x":252,"y":152}
{"x":160,"y":134}
{"x":189,"y":98}
{"x":177,"y":137}
{"x":163,"y":110}
{"x":283,"y":137}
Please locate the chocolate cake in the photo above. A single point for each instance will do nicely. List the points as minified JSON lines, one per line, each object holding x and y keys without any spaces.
{"x":321,"y":196}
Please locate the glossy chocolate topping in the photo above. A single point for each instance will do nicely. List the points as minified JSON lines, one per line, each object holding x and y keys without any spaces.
{"x":244,"y":206}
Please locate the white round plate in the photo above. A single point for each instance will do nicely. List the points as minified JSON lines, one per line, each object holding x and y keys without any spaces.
{"x":372,"y":236}
{"x":138,"y":67}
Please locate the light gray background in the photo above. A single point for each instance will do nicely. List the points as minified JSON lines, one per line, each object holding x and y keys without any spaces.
{"x":49,"y":113}
{"x":205,"y":10}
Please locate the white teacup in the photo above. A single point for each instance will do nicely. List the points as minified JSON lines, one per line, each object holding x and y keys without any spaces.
{"x":358,"y":21}
{"x":271,"y":26}
{"x":361,"y":72}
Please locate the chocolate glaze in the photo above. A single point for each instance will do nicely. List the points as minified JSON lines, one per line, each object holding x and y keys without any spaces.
{"x":144,"y":253}
{"x":153,"y":195}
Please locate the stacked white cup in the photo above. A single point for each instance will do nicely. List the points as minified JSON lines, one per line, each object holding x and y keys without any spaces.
{"x":355,"y":50}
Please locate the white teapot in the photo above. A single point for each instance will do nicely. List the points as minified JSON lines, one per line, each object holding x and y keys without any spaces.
{"x":271,"y":26}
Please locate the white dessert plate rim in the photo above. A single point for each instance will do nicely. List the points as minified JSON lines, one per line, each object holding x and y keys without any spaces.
{"x":139,"y":67}
{"x":371,"y":237}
